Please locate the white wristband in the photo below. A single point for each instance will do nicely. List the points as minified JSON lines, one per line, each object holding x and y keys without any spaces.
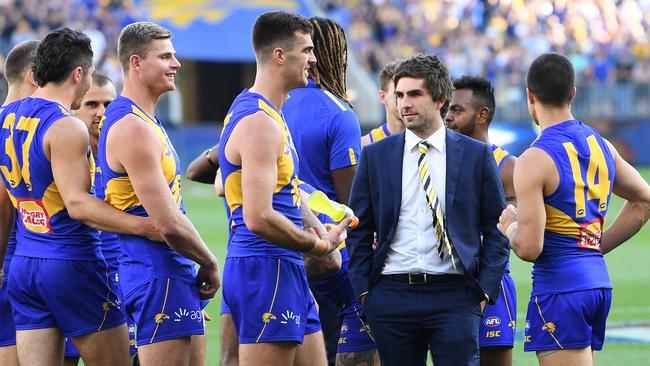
{"x":510,"y":231}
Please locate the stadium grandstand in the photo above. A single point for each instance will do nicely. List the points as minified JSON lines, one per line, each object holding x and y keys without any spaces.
{"x":608,"y":42}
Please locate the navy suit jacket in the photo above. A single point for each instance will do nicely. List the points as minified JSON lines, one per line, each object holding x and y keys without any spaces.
{"x":474,"y":200}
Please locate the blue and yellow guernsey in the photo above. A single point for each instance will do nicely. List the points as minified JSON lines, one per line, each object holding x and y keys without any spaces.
{"x":142,"y":259}
{"x":379,"y":133}
{"x":286,"y":198}
{"x":571,"y":259}
{"x":500,"y":157}
{"x":44,"y":228}
{"x":111,"y":247}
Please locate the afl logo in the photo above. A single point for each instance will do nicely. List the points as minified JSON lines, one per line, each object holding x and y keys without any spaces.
{"x":492,"y":321}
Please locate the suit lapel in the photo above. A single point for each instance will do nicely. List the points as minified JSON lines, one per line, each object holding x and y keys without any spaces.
{"x":394,"y":164}
{"x":454,"y":160}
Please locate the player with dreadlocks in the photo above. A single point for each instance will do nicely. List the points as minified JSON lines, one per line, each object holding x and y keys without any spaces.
{"x":327,"y":138}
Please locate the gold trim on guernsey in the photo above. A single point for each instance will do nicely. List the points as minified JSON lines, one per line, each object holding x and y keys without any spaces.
{"x":499,"y":154}
{"x":560,"y":223}
{"x":334,"y":99}
{"x":378,"y":134}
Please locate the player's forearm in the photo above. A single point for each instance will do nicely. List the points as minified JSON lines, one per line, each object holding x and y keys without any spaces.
{"x":181,"y":235}
{"x":204,"y":168}
{"x":319,"y":267}
{"x":628,"y":222}
{"x":277,"y":229}
{"x":99,"y":215}
{"x":525,"y":251}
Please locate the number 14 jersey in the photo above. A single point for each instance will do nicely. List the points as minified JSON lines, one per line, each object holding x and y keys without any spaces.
{"x":571,"y":259}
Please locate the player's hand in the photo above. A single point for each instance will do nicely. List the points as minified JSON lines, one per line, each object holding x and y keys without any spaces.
{"x":508,"y":217}
{"x":332,"y":238}
{"x":148,"y":229}
{"x":206,"y":316}
{"x":209,"y":281}
{"x":483,"y":305}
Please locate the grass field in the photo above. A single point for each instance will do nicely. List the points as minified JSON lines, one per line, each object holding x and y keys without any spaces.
{"x":628,"y":267}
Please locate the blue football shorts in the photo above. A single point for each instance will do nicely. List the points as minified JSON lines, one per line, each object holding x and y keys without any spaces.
{"x":567,"y":320}
{"x":75,"y":296}
{"x":355,"y":332}
{"x":165,"y":308}
{"x":71,"y":349}
{"x":499,"y":320}
{"x":269,"y":299}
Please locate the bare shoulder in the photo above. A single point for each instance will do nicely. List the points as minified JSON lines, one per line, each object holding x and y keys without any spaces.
{"x":257,"y":129}
{"x":536,"y":168}
{"x":68,"y":130}
{"x":131,"y":127}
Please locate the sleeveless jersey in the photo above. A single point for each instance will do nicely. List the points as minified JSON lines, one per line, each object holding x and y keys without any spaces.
{"x":286,"y":198}
{"x":142,"y":259}
{"x":379,"y":133}
{"x":571,"y":259}
{"x":500,"y":157}
{"x":110,"y":244}
{"x":44,"y":228}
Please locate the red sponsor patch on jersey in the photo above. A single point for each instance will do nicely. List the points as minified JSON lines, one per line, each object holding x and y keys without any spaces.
{"x":33,"y":215}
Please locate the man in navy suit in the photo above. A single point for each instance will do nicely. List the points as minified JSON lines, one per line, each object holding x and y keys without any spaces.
{"x":434,"y":198}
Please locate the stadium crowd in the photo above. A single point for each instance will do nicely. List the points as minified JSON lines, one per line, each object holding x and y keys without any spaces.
{"x":101,"y":20}
{"x":607,"y":43}
{"x":498,"y":38}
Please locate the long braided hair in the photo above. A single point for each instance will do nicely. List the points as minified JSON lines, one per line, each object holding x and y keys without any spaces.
{"x":331,"y":50}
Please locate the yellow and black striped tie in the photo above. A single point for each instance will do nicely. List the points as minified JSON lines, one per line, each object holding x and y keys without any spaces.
{"x":436,"y":209}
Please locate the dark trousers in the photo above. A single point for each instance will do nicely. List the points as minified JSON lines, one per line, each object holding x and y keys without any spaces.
{"x":409,"y":319}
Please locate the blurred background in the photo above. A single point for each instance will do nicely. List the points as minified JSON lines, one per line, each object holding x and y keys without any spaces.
{"x":607,"y":41}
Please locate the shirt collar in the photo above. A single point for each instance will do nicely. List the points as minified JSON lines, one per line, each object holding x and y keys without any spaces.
{"x":436,"y":139}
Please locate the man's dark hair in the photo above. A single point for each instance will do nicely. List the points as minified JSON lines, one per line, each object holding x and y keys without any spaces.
{"x":101,"y":80}
{"x":59,"y":53}
{"x":482,"y":92}
{"x":136,"y":38}
{"x":277,"y":29}
{"x":551,"y":78}
{"x":331,"y":51}
{"x":437,"y":81}
{"x":19,"y":60}
{"x":386,"y":74}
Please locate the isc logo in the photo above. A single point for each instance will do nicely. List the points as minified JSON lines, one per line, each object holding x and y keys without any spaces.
{"x":492,"y":321}
{"x":493,"y":334}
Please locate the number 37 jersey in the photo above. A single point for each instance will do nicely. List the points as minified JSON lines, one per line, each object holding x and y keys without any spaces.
{"x":44,"y":228}
{"x":571,"y":259}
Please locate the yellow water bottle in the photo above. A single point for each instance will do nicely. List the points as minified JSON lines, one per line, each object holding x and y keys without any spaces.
{"x":319,"y":202}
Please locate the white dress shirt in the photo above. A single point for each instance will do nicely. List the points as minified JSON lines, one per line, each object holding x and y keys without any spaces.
{"x":414,"y":248}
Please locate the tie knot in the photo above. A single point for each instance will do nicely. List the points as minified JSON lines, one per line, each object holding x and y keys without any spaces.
{"x":424,"y":146}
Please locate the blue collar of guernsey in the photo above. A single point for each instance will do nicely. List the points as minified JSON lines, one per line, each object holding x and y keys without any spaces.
{"x":311,"y":83}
